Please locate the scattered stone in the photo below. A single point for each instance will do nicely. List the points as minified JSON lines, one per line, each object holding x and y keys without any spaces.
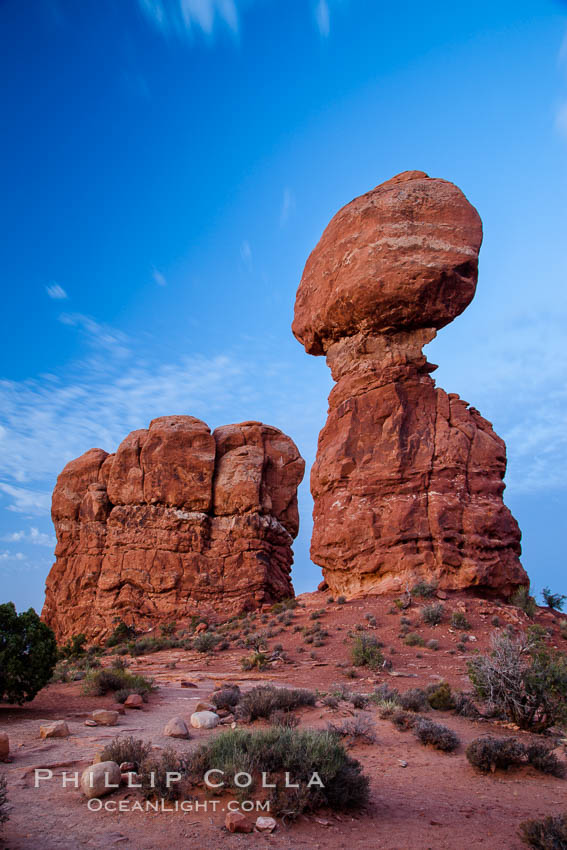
{"x":202,"y":627}
{"x":4,"y":746}
{"x":90,"y":722}
{"x":127,"y":767}
{"x":176,"y":728}
{"x":402,"y":763}
{"x":117,"y":706}
{"x":237,"y":822}
{"x":105,"y":717}
{"x":185,"y":684}
{"x":205,"y":706}
{"x":100,"y":779}
{"x":133,"y":701}
{"x":57,"y":729}
{"x":264,"y":824}
{"x":204,"y":720}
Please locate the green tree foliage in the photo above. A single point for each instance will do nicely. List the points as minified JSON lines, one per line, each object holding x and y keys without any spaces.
{"x":28,"y":654}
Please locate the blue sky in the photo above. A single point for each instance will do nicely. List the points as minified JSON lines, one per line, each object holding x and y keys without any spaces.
{"x":166,"y":167}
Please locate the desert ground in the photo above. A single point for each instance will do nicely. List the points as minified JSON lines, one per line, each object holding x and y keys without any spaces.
{"x":420,"y":797}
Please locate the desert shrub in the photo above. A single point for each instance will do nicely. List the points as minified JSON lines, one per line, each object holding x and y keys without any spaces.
{"x":315,"y":615}
{"x":205,"y":642}
{"x":550,"y":833}
{"x":413,"y":700}
{"x":28,"y":654}
{"x":496,"y":622}
{"x":351,"y":673}
{"x":385,"y":692}
{"x":226,"y":697}
{"x":74,"y":647}
{"x":262,"y":700}
{"x":280,"y":717}
{"x":542,"y":758}
{"x":413,"y":639}
{"x":126,"y":749}
{"x":258,"y":641}
{"x":433,"y":614}
{"x":436,"y":735}
{"x":341,"y":600}
{"x":3,"y":800}
{"x":425,"y":589}
{"x":155,"y":775}
{"x":521,"y":599}
{"x":330,"y":701}
{"x":100,"y":682}
{"x":440,"y":697}
{"x":432,"y":644}
{"x":359,"y":700}
{"x":120,"y":634}
{"x":404,"y":720}
{"x":488,"y":753}
{"x":356,"y":729}
{"x":555,"y":601}
{"x":365,"y":652}
{"x":464,"y":705}
{"x":300,"y":752}
{"x":168,"y":629}
{"x":284,"y":605}
{"x":370,"y":618}
{"x":459,"y":621}
{"x":256,"y":660}
{"x":523,"y":680}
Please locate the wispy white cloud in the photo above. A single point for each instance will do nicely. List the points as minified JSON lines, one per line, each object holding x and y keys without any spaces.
{"x":12,"y":556}
{"x":246,"y":253}
{"x":323,"y":18}
{"x":288,"y":205}
{"x":159,"y":278}
{"x":183,"y":17}
{"x":26,"y":501}
{"x":56,"y":292}
{"x":33,"y":536}
{"x":98,"y":335}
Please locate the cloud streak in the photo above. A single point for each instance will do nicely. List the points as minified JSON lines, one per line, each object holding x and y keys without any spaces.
{"x":323,"y":18}
{"x":56,"y":292}
{"x":184,"y":17}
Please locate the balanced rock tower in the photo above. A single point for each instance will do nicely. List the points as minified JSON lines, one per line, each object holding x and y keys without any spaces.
{"x":177,"y":522}
{"x":408,"y":480}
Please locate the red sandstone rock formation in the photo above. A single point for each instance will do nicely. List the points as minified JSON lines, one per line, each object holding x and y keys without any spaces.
{"x":178,"y":522}
{"x":407,"y":483}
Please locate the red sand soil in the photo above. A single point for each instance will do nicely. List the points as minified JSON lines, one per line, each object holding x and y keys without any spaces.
{"x":437,"y":801}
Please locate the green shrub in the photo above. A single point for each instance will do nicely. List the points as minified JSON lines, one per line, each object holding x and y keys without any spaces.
{"x":550,"y":833}
{"x":168,"y":629}
{"x":404,"y":720}
{"x":436,"y":735}
{"x":126,"y":749}
{"x":284,"y":605}
{"x":555,"y":601}
{"x":521,"y":599}
{"x":459,"y":621}
{"x":205,"y":642}
{"x":330,"y":701}
{"x":155,"y":775}
{"x":280,"y":717}
{"x":489,"y":754}
{"x":120,"y":634}
{"x":358,"y":700}
{"x":413,"y":639}
{"x":542,"y":758}
{"x":28,"y":654}
{"x":257,"y":660}
{"x":365,"y":652}
{"x":440,"y":697}
{"x":341,"y":600}
{"x":433,"y":614}
{"x":262,"y":700}
{"x":413,"y":700}
{"x":74,"y":647}
{"x":432,"y":644}
{"x":299,"y":752}
{"x":226,"y":697}
{"x":3,"y":800}
{"x":424,"y":589}
{"x":522,"y":680}
{"x":464,"y":705}
{"x":101,"y":682}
